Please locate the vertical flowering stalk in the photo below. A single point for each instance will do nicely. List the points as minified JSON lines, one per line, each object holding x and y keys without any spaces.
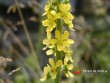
{"x":57,"y":14}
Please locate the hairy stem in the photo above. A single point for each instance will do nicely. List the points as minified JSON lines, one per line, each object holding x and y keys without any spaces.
{"x":58,"y":54}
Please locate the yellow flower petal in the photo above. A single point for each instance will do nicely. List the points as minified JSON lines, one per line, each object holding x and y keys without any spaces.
{"x":49,"y":52}
{"x":64,"y":7}
{"x":44,"y":48}
{"x":45,"y":23}
{"x":54,"y":75}
{"x":70,"y":24}
{"x":44,"y":78}
{"x":66,"y":43}
{"x":47,"y":7}
{"x":53,"y":41}
{"x":44,"y":14}
{"x":51,"y":15}
{"x":68,"y":57}
{"x":59,"y":63}
{"x":65,"y":35}
{"x":46,"y":70}
{"x":70,"y":74}
{"x":65,"y":49}
{"x":70,"y":16}
{"x":66,"y":75}
{"x":66,"y":20}
{"x":46,"y":42}
{"x":49,"y":29}
{"x":49,"y":35}
{"x":70,"y":66}
{"x":51,"y":26}
{"x":59,"y":47}
{"x":51,"y":46}
{"x":70,"y":41}
{"x":51,"y":61}
{"x":53,"y":12}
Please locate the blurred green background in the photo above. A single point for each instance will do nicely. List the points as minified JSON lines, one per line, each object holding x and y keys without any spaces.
{"x":21,"y":35}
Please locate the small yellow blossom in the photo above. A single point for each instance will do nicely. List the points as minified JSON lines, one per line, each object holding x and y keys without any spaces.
{"x":65,"y":14}
{"x":70,"y":24}
{"x":64,"y":7}
{"x":67,"y":68}
{"x":47,"y":7}
{"x":47,"y":40}
{"x":48,"y":45}
{"x":46,"y":73}
{"x":45,"y":22}
{"x":51,"y":71}
{"x":54,"y":67}
{"x":68,"y":54}
{"x":68,"y":17}
{"x":51,"y":15}
{"x":50,"y":24}
{"x":61,"y":40}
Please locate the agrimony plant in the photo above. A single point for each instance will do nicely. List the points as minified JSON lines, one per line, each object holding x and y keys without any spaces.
{"x":57,"y":15}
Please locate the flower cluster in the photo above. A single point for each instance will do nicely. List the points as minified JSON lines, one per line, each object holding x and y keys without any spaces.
{"x":53,"y":13}
{"x":59,"y":42}
{"x":51,"y":71}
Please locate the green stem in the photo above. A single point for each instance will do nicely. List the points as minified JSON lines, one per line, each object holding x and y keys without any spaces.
{"x":58,"y":54}
{"x":58,"y":57}
{"x":59,"y":25}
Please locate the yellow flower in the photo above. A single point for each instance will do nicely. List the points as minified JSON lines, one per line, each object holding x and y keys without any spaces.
{"x":45,"y":22}
{"x":47,"y":40}
{"x":66,"y":15}
{"x":70,"y":24}
{"x":61,"y":40}
{"x":52,"y":15}
{"x":47,"y":7}
{"x":51,"y":50}
{"x":48,"y":45}
{"x":67,"y":68}
{"x":64,"y":7}
{"x":54,"y":67}
{"x":50,"y":24}
{"x":51,"y":71}
{"x":46,"y":73}
{"x":68,"y":54}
